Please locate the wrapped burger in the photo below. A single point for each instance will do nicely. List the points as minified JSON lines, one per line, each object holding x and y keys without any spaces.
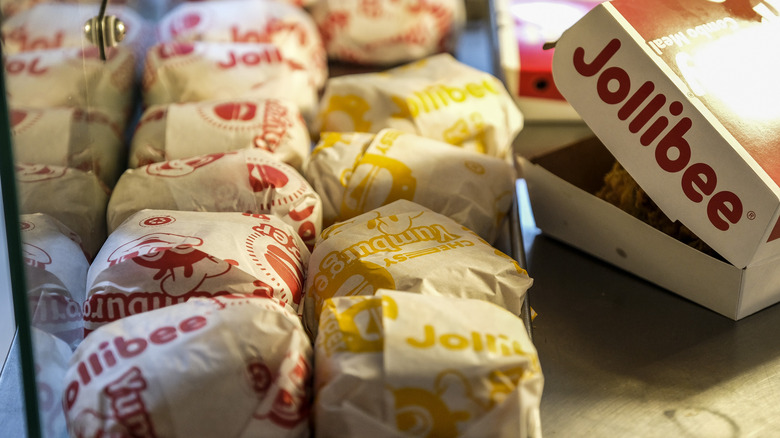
{"x":229,"y":366}
{"x":169,"y":132}
{"x":405,"y":246}
{"x":358,"y":172}
{"x":51,"y":362}
{"x":401,"y":364}
{"x":61,"y":24}
{"x":56,"y":276}
{"x":76,"y":199}
{"x":73,"y":77}
{"x":288,"y":27}
{"x":87,"y":140}
{"x":157,"y":258}
{"x":437,"y":97}
{"x":179,"y":72}
{"x":247,"y":180}
{"x":383,"y":32}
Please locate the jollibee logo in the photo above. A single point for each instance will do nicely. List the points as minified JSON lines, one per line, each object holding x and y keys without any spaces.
{"x":673,"y":151}
{"x":176,"y":168}
{"x":181,"y":267}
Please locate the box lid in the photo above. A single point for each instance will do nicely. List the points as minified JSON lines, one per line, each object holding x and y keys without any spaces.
{"x":535,"y":23}
{"x":685,"y":95}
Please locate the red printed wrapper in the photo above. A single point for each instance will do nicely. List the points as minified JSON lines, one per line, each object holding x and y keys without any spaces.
{"x":360,"y":172}
{"x":382,"y":32}
{"x":405,"y":246}
{"x":288,"y":27}
{"x":247,"y":180}
{"x":161,"y":257}
{"x":401,"y":364}
{"x":178,"y":72}
{"x":68,"y":137}
{"x":73,"y":77}
{"x":169,"y":132}
{"x":226,"y":366}
{"x":437,"y":97}
{"x":56,"y":274}
{"x":58,"y":25}
{"x":76,"y":199}
{"x":51,"y":362}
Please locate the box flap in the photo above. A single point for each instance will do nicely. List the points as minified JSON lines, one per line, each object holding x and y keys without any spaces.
{"x":662,"y":85}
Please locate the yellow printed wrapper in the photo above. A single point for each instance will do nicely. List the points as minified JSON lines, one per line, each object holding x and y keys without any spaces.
{"x":437,"y":97}
{"x":400,"y":364}
{"x":360,"y":172}
{"x":408,"y":247}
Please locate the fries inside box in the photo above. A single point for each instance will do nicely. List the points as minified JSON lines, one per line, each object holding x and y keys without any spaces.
{"x":686,"y":103}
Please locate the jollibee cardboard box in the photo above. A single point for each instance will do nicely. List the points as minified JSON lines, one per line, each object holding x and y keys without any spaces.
{"x":684,"y":94}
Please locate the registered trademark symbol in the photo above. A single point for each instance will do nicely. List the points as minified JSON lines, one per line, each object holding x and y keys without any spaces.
{"x":751,"y":215}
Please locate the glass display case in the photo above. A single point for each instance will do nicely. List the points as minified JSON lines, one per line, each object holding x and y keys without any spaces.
{"x":73,"y":73}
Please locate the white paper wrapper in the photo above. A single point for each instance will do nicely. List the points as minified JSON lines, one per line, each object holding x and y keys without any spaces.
{"x":169,"y":132}
{"x":73,"y":77}
{"x":247,"y":181}
{"x":157,"y":258}
{"x":69,"y":137}
{"x":287,"y":26}
{"x":360,"y":172}
{"x":58,"y":25}
{"x":178,"y":72}
{"x":51,"y":362}
{"x":388,"y":31}
{"x":408,"y":247}
{"x":437,"y":97}
{"x":56,"y":274}
{"x":401,"y":364}
{"x":227,"y":366}
{"x":76,"y":199}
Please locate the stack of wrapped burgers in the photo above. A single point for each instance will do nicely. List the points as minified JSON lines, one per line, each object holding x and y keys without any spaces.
{"x":287,"y":253}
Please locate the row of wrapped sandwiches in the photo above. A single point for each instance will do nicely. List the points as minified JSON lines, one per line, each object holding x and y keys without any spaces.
{"x":271,"y":252}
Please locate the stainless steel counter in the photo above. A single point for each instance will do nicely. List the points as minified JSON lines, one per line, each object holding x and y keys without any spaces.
{"x":624,"y":358}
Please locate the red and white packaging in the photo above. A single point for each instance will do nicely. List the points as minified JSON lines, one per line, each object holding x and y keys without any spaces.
{"x":51,"y":362}
{"x":69,"y":137}
{"x":75,"y":198}
{"x":169,"y":132}
{"x":383,"y":32}
{"x":73,"y":77}
{"x":247,"y":181}
{"x":288,"y":27}
{"x":179,"y":72}
{"x":231,"y":366}
{"x":677,"y":92}
{"x":56,"y":275}
{"x":358,"y":172}
{"x":47,"y":26}
{"x":157,"y":258}
{"x":437,"y":97}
